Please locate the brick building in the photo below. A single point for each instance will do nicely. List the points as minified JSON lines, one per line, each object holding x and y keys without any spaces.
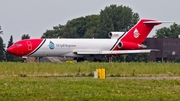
{"x":169,"y":48}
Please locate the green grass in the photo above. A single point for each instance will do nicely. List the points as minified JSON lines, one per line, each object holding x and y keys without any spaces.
{"x":87,"y":89}
{"x":71,"y":81}
{"x":87,"y":68}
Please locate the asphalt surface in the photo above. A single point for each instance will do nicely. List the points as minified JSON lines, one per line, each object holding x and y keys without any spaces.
{"x":142,"y":78}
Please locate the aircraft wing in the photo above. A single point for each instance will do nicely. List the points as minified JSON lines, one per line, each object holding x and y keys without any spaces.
{"x":86,"y":52}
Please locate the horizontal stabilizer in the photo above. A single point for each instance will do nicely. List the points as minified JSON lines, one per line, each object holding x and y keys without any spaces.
{"x":157,"y":22}
{"x":114,"y":52}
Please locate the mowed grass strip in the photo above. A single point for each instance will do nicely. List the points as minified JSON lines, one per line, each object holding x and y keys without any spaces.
{"x":87,"y":89}
{"x":88,"y":68}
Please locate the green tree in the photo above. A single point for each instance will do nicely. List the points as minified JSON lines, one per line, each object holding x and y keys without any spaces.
{"x":168,"y":32}
{"x":54,"y":33}
{"x":177,"y":59}
{"x":75,"y":28}
{"x":9,"y":56}
{"x":2,"y":50}
{"x":49,"y":34}
{"x":81,"y":27}
{"x":70,"y":31}
{"x":92,"y":26}
{"x":112,"y":18}
{"x":135,"y":19}
{"x":117,"y":18}
{"x":1,"y":32}
{"x":25,"y":36}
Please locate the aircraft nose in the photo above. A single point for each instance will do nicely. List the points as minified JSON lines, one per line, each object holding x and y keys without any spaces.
{"x":11,"y":50}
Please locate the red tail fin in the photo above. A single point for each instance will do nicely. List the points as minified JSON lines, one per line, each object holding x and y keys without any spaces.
{"x":134,"y":38}
{"x":140,"y":31}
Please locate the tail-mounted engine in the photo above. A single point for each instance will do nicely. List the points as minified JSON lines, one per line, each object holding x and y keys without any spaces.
{"x":130,"y":45}
{"x":115,"y":35}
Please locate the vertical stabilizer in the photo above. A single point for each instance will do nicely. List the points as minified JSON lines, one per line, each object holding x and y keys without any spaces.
{"x":139,"y":32}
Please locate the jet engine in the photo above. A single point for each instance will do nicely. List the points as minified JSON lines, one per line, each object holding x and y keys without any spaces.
{"x":115,"y":35}
{"x":130,"y":45}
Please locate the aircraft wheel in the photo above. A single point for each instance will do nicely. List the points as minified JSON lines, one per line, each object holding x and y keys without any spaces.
{"x":97,"y":60}
{"x":80,"y":59}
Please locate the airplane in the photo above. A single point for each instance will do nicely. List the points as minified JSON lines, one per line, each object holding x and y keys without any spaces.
{"x":118,"y":43}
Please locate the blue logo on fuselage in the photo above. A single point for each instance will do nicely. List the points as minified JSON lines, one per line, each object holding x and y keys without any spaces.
{"x":51,"y":45}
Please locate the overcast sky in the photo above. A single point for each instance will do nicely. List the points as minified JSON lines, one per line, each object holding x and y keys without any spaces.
{"x":34,"y":17}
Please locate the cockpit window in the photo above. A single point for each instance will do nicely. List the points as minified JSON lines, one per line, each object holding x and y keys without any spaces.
{"x":17,"y":44}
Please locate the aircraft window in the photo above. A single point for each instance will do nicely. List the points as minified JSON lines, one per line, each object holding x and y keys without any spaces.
{"x":17,"y":44}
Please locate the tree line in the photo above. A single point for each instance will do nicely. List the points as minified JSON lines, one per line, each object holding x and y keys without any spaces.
{"x":111,"y":18}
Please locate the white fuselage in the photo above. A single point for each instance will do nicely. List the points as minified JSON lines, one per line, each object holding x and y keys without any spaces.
{"x":65,"y":47}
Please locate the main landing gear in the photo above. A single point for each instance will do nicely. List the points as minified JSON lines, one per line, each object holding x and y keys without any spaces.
{"x":81,"y":59}
{"x":109,"y":57}
{"x":97,"y":60}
